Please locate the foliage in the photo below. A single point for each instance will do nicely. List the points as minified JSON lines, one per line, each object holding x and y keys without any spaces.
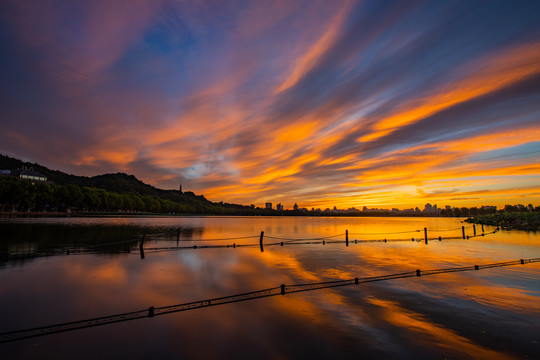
{"x":23,"y":195}
{"x":103,"y":193}
{"x":511,"y":220}
{"x":126,"y":194}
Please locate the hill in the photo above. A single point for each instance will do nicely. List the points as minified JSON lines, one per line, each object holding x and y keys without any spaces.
{"x":119,"y":182}
{"x":118,"y":191}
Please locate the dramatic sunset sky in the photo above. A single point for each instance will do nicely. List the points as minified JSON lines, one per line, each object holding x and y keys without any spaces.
{"x":323,"y":103}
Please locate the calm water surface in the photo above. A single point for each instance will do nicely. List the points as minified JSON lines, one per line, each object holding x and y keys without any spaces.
{"x":492,"y":313}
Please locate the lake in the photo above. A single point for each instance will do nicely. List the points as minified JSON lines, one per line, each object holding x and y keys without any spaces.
{"x":491,"y":313}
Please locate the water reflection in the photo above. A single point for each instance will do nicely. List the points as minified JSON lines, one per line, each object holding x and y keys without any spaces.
{"x":485,"y":314}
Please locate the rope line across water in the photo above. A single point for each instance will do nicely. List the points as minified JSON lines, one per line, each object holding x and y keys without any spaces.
{"x":279,"y":290}
{"x":300,"y":241}
{"x":256,"y":236}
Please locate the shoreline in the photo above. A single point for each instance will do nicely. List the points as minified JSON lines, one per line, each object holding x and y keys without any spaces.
{"x":528,"y":221}
{"x":24,"y":214}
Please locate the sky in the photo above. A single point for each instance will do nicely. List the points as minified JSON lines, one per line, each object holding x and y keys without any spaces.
{"x":321,"y":103}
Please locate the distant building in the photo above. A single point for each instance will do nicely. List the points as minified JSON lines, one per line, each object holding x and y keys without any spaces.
{"x":295,"y":207}
{"x":268,"y":205}
{"x":431,"y":209}
{"x":279,"y":207}
{"x":489,"y":208}
{"x":25,"y":174}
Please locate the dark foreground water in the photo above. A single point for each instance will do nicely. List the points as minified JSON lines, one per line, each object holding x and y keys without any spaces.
{"x":486,"y":314}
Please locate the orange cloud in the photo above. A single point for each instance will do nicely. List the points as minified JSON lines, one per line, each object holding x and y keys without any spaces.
{"x":489,"y":74}
{"x":307,"y":61}
{"x":429,"y":332}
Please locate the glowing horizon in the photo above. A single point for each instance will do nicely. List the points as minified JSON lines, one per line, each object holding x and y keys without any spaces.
{"x":320,"y":103}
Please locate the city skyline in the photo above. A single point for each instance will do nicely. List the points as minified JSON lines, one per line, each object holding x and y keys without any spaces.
{"x":331,"y":103}
{"x":427,"y":208}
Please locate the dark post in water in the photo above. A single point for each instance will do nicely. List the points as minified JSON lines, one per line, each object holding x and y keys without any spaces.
{"x":347,"y":237}
{"x":425,"y":235}
{"x":463,"y":231}
{"x":474,"y":229}
{"x":261,"y":241}
{"x":141,"y":246}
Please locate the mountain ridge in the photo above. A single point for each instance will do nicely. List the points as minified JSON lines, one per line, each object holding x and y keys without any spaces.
{"x":119,"y":182}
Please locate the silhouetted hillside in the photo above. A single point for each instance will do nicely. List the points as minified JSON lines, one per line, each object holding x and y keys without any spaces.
{"x":122,"y":184}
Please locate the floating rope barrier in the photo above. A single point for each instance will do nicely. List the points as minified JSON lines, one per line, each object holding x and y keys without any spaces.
{"x":387,"y":233}
{"x":411,"y":231}
{"x":299,"y":242}
{"x":305,"y":239}
{"x":278,"y":290}
{"x":179,"y":239}
{"x":112,"y":243}
{"x":444,"y":230}
{"x":80,"y":250}
{"x":222,"y":239}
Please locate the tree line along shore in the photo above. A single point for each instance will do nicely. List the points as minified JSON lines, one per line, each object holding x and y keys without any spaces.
{"x":510,"y":220}
{"x":25,"y":198}
{"x":121,"y":194}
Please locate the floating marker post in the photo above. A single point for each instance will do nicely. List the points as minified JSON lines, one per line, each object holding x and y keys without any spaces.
{"x":425,"y":235}
{"x":261,"y":241}
{"x":474,"y":229}
{"x":347,"y":237}
{"x":440,"y":238}
{"x":482,"y":228}
{"x":151,"y":311}
{"x":463,"y":231}
{"x":282,"y":289}
{"x":141,"y":246}
{"x":418,"y":272}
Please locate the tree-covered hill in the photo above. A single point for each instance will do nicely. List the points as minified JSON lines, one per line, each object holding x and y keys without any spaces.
{"x":119,"y":182}
{"x":108,"y":192}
